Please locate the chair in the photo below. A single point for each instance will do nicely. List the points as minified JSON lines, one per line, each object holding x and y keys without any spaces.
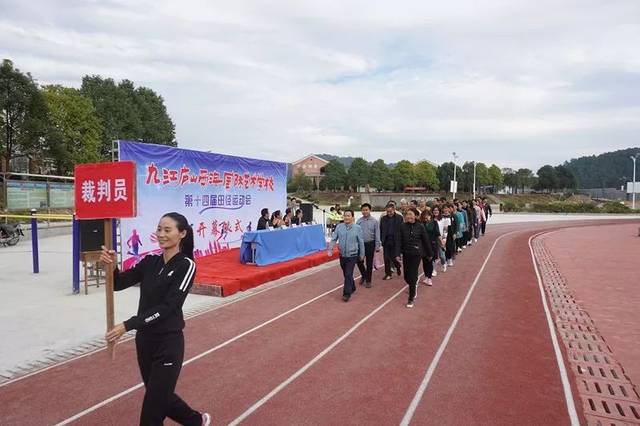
{"x":91,"y":268}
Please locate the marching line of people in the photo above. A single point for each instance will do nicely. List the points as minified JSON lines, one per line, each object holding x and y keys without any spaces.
{"x":430,"y":234}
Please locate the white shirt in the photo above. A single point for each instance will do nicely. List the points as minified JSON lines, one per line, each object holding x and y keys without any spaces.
{"x":444,"y":224}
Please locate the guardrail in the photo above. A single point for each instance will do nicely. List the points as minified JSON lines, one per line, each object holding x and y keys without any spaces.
{"x":38,"y":216}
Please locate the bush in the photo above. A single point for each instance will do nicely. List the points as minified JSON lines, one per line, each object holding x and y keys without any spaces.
{"x":561,"y":207}
{"x":511,"y":207}
{"x":612,"y":207}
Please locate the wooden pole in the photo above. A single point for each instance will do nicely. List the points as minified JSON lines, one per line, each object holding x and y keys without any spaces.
{"x":108,"y":243}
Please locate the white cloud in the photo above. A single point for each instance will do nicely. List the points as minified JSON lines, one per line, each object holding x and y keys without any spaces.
{"x":517,"y":83}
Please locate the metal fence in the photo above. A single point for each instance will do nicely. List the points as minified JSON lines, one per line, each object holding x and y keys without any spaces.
{"x":604,"y":193}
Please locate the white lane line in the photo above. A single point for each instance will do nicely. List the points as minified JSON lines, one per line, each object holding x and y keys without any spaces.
{"x":214,"y":308}
{"x":436,"y":359}
{"x":566,"y":386}
{"x":207,"y":352}
{"x":308,"y":365}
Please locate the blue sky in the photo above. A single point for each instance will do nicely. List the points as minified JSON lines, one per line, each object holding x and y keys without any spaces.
{"x":516,"y":83}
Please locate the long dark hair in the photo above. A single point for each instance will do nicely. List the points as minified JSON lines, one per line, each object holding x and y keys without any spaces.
{"x":186,"y":244}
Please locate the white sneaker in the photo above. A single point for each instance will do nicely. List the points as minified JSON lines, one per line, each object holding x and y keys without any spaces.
{"x":450,"y":262}
{"x":425,"y":281}
{"x":475,"y":240}
{"x":429,"y":282}
{"x":444,"y":268}
{"x":206,"y":419}
{"x":459,"y":250}
{"x":410,"y":305}
{"x":435,"y":273}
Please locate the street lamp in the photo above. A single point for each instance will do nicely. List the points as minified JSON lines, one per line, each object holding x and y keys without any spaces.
{"x":455,"y":187}
{"x":633,"y":187}
{"x":474,"y":180}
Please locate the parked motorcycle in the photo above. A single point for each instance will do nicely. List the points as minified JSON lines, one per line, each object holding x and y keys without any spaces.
{"x":10,"y":234}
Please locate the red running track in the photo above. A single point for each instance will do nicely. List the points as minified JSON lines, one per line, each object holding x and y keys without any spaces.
{"x":477,"y":343}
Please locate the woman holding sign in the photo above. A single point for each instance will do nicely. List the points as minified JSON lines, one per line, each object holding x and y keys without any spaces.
{"x":164,"y":281}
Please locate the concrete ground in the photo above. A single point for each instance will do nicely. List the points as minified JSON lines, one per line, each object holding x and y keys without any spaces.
{"x":39,"y":315}
{"x":41,"y":320}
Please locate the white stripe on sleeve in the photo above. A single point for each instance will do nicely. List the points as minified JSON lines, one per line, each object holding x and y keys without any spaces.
{"x":188,"y":275}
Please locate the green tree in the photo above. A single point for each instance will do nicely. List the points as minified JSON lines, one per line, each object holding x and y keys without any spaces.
{"x":23,"y":114}
{"x":156,"y":123}
{"x":358,"y":174}
{"x":74,"y":131}
{"x":566,"y":178}
{"x":299,"y":182}
{"x":380,"y":176}
{"x":482,"y":175}
{"x":525,"y":178}
{"x":547,"y":178}
{"x":495,"y":177}
{"x":510,"y":179}
{"x":127,"y":112}
{"x":335,"y":175}
{"x":403,"y":175}
{"x":427,"y":175}
{"x":465,"y":179}
{"x":445,"y":174}
{"x":604,"y":170}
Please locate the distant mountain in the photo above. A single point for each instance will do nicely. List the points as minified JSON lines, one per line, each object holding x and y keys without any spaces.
{"x":344,"y":160}
{"x":608,"y":170}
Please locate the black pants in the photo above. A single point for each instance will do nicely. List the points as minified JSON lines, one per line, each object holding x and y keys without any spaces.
{"x":348,"y":264}
{"x":427,"y":265}
{"x":390,"y":258}
{"x":367,"y":270}
{"x":160,"y":360}
{"x":484,"y":227}
{"x":411,"y":264}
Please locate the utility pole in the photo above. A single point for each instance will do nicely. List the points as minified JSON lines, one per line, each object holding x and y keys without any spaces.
{"x":633,"y":187}
{"x":455,"y":157}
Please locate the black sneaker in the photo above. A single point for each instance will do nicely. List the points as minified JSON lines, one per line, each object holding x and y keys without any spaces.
{"x":367,"y":284}
{"x":399,"y":271}
{"x":345,"y":298}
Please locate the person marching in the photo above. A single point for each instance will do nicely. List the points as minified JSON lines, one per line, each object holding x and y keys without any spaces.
{"x":389,"y":228}
{"x":348,"y":235}
{"x":487,"y":213}
{"x":479,"y":219}
{"x":414,"y":245}
{"x":443,"y":226}
{"x":165,"y":281}
{"x":462,"y":226}
{"x":433,"y":232}
{"x":371,"y":234}
{"x":448,"y":235}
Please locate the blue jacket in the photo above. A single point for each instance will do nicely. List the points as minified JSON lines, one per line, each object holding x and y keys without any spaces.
{"x":349,"y":239}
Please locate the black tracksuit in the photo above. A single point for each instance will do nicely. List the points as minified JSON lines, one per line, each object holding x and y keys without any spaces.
{"x":389,"y":231}
{"x":159,"y":338}
{"x":487,"y":213}
{"x":414,"y":244}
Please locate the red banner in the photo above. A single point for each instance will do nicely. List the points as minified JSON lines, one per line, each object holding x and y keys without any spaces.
{"x":105,"y":190}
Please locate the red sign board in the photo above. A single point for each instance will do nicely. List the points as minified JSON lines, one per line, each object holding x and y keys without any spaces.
{"x":105,"y":190}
